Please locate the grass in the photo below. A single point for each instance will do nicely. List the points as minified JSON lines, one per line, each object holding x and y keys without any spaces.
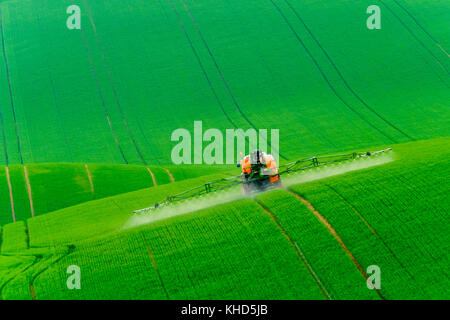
{"x":155,"y":82}
{"x":111,"y":214}
{"x":406,"y":207}
{"x":60,"y":185}
{"x":14,"y":237}
{"x":237,"y":250}
{"x":110,"y":97}
{"x":186,"y":256}
{"x":320,"y":249}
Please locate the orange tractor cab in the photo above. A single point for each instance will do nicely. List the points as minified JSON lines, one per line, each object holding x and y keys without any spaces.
{"x":259,"y":172}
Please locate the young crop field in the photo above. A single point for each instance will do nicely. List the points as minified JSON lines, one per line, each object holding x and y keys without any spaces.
{"x":90,"y":118}
{"x":114,"y":92}
{"x":55,"y":186}
{"x":313,"y":240}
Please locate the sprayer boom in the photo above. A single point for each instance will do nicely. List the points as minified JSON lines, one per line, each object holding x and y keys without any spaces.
{"x":288,"y":168}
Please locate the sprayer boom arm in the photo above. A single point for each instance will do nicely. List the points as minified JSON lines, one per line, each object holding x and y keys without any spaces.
{"x":291,"y":167}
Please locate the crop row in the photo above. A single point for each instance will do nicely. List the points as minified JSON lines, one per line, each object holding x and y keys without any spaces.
{"x":57,"y":186}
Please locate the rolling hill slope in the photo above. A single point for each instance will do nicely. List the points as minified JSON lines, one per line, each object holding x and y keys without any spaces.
{"x":34,"y":189}
{"x":86,"y":118}
{"x":114,"y":91}
{"x":313,"y":240}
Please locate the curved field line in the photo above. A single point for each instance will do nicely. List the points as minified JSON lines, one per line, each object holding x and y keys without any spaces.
{"x":11,"y":197}
{"x":133,"y":140}
{"x":5,"y":147}
{"x":91,"y":182}
{"x":415,"y":37}
{"x":145,"y":138}
{"x":197,"y":57}
{"x":374,"y":232}
{"x":56,"y":105}
{"x":99,"y":91}
{"x":170,"y":175}
{"x":47,"y":267}
{"x":153,"y":177}
{"x":22,"y":270}
{"x":333,"y":232}
{"x":30,"y":197}
{"x":316,"y":63}
{"x":356,"y":95}
{"x":421,"y":27}
{"x":33,"y":293}
{"x":238,"y":107}
{"x":298,"y":252}
{"x":13,"y":109}
{"x":156,"y":268}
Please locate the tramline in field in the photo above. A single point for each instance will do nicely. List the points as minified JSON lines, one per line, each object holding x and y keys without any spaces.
{"x":259,"y":172}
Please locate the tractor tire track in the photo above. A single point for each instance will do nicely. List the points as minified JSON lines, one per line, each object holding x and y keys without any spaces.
{"x":30,"y":196}
{"x":298,"y":252}
{"x":172,"y":179}
{"x":91,"y":182}
{"x":11,"y":96}
{"x":414,"y":36}
{"x":116,"y":97}
{"x":317,"y":65}
{"x":56,"y":105}
{"x":421,"y":27}
{"x":11,"y":197}
{"x":5,"y":147}
{"x":219,"y":71}
{"x":355,"y":94}
{"x":197,"y":57}
{"x":100,"y":94}
{"x":156,"y":268}
{"x":333,"y":232}
{"x":374,"y":232}
{"x":21,"y":271}
{"x":205,"y":73}
{"x":70,"y":249}
{"x":153,"y":177}
{"x":141,"y":130}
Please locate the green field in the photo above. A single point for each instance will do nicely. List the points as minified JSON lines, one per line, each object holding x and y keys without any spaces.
{"x":86,"y":118}
{"x":59,"y":185}
{"x":262,"y":248}
{"x":320,"y":74}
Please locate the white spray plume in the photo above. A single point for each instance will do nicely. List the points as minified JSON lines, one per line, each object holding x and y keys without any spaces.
{"x":195,"y":204}
{"x":337,"y":169}
{"x":184,"y":207}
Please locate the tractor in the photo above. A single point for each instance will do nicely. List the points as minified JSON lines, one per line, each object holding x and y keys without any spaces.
{"x":259,"y":172}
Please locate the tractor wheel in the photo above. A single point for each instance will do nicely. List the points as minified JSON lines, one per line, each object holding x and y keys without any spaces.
{"x":245,"y":189}
{"x":245,"y":186}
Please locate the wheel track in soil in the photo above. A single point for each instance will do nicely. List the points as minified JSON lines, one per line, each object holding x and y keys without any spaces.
{"x":371,"y":228}
{"x":113,"y":87}
{"x":219,"y":71}
{"x":11,"y":96}
{"x":347,"y":85}
{"x":298,"y":251}
{"x":100,"y":94}
{"x":334,"y":233}
{"x":324,"y":76}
